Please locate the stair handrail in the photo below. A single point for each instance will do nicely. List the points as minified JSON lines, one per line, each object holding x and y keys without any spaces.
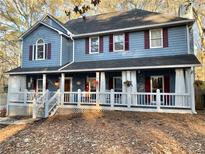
{"x":39,"y":103}
{"x":56,"y":97}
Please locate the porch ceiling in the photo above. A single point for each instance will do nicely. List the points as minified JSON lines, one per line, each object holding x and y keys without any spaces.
{"x":175,"y":61}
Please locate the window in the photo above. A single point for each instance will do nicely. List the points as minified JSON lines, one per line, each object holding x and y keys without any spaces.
{"x":94,"y":45}
{"x":156,"y":38}
{"x":117,"y":84}
{"x":40,"y":50}
{"x":92,"y":84}
{"x":39,"y":84}
{"x":119,"y":44}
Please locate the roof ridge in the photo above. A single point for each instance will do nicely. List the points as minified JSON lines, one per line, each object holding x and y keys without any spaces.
{"x":123,"y":11}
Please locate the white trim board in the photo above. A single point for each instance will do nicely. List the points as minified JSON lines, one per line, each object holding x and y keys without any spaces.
{"x":37,"y":24}
{"x":109,"y":69}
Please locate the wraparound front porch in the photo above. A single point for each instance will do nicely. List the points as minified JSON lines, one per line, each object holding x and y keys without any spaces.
{"x":117,"y":90}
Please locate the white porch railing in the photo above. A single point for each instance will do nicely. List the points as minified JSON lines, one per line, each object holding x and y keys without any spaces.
{"x":46,"y":104}
{"x":121,"y":99}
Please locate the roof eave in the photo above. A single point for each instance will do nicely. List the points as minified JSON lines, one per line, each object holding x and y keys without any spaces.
{"x":106,"y":69}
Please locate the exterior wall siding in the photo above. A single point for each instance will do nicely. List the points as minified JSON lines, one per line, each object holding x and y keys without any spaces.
{"x":55,"y":25}
{"x":49,"y":36}
{"x":177,"y":45}
{"x":67,"y":51}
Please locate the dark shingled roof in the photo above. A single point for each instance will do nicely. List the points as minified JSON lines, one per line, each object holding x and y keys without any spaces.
{"x":19,"y":69}
{"x":118,"y":20}
{"x":151,"y":62}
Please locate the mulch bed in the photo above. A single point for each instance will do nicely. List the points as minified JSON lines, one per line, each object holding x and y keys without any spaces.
{"x":109,"y":132}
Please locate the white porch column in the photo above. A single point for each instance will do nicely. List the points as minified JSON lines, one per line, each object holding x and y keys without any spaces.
{"x":134,"y":86}
{"x":134,"y":81}
{"x":192,"y":90}
{"x":124,"y":78}
{"x":98,"y":81}
{"x":102,"y":82}
{"x":62,"y":86}
{"x":179,"y":86}
{"x":44,"y":83}
{"x":102,"y":87}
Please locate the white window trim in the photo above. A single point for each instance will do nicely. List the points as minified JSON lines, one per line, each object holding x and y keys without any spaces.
{"x":154,"y":76}
{"x":114,"y":50}
{"x":37,"y":85}
{"x":150,"y":38}
{"x":44,"y":52}
{"x":90,"y":45}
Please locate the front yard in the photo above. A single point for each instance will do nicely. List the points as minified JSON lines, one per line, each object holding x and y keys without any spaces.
{"x":108,"y":132}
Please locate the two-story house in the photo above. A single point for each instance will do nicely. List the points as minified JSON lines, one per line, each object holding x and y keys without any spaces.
{"x":135,"y":60}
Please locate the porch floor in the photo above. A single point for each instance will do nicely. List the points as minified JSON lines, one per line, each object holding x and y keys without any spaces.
{"x":108,"y":132}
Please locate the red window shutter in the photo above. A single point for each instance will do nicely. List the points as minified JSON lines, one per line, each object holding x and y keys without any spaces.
{"x":147,"y":84}
{"x":30,"y":52}
{"x":110,"y":83}
{"x":87,"y":45}
{"x":166,"y":84}
{"x":46,"y":51}
{"x":126,"y":41}
{"x":146,"y":39}
{"x":49,"y":51}
{"x":165,"y":38}
{"x":101,"y":44}
{"x":111,"y":43}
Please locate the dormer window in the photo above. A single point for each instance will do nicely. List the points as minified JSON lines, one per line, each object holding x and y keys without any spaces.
{"x":40,"y":50}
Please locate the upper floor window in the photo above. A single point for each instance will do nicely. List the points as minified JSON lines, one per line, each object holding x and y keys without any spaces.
{"x":119,"y":42}
{"x":94,"y":45}
{"x":156,"y":38}
{"x":40,"y":50}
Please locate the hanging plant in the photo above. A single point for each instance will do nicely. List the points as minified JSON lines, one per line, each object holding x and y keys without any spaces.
{"x":128,"y":83}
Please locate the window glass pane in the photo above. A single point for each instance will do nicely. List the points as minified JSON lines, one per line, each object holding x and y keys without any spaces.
{"x":40,"y":51}
{"x":156,"y":43}
{"x":40,"y":41}
{"x":156,"y":34}
{"x":119,"y":42}
{"x":118,"y":84}
{"x":156,"y":38}
{"x":94,"y":44}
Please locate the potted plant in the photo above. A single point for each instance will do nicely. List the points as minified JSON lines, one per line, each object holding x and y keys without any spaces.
{"x":128,"y":83}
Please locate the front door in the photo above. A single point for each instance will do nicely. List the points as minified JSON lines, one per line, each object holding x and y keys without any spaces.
{"x":67,"y":89}
{"x":157,"y":82}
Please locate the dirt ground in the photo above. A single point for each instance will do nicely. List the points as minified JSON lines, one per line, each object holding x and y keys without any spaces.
{"x":108,"y":132}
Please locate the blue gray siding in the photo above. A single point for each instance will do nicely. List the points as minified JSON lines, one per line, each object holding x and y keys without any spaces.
{"x":49,"y":36}
{"x":67,"y":51}
{"x":54,"y":24}
{"x":177,"y":45}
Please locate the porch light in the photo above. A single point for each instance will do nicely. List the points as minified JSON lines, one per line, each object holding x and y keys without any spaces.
{"x":56,"y":83}
{"x":78,"y":83}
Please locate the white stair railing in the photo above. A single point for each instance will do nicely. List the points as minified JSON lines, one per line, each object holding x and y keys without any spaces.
{"x":38,"y":104}
{"x":52,"y":104}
